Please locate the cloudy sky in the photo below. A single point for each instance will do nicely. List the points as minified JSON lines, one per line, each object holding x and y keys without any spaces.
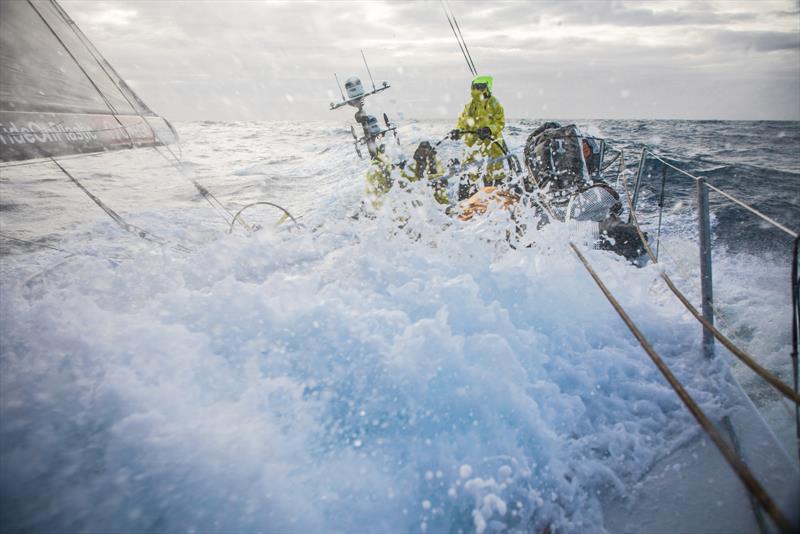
{"x":230,"y":60}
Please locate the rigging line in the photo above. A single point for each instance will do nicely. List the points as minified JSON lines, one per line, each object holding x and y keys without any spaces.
{"x":97,"y":56}
{"x":474,"y":69}
{"x":91,"y":80}
{"x":738,"y":466}
{"x":748,"y":360}
{"x":105,"y":66}
{"x":206,"y":194}
{"x":729,"y":197}
{"x":41,"y":245}
{"x":130,"y":228}
{"x":469,"y":65}
{"x":68,"y":252}
{"x":368,"y":71}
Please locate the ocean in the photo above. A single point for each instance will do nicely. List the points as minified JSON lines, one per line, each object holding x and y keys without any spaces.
{"x":360,"y":375}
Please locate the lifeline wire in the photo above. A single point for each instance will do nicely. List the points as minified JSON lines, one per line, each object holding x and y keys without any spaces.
{"x":739,"y":467}
{"x":728,"y":196}
{"x":736,"y":351}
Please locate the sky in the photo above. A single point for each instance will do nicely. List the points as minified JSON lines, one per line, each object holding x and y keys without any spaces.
{"x":592,"y":59}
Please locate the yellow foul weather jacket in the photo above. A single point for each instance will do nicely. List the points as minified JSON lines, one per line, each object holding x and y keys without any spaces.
{"x":379,"y":178}
{"x":479,"y":112}
{"x":413,"y":173}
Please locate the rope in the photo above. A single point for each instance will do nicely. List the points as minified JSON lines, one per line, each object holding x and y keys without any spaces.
{"x":102,"y":64}
{"x":730,"y":197}
{"x":130,"y":228}
{"x":176,"y":163}
{"x":736,"y":351}
{"x":213,"y":201}
{"x":42,"y":245}
{"x":105,"y":67}
{"x":51,"y":247}
{"x":739,"y":467}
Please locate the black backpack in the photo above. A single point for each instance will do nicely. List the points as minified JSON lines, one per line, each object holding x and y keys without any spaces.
{"x":554,"y":158}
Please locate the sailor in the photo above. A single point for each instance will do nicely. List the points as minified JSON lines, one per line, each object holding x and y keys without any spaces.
{"x":481,"y":124}
{"x":379,"y":177}
{"x":591,"y":154}
{"x":426,"y":166}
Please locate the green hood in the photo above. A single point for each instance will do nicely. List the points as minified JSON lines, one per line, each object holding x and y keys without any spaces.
{"x":484,"y":79}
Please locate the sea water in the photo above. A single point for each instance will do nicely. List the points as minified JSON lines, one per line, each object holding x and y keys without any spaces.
{"x":402,"y":373}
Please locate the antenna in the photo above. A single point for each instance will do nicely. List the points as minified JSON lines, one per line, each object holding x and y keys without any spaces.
{"x":368,"y":72}
{"x":464,"y":52}
{"x":340,"y":85}
{"x":474,"y":69}
{"x":370,"y":126}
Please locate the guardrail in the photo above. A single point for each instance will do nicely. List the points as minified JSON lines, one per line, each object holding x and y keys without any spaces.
{"x":710,"y":332}
{"x":704,"y":232}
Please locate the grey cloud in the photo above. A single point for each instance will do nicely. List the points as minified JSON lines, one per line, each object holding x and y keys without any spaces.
{"x":239,"y":60}
{"x":757,"y":41}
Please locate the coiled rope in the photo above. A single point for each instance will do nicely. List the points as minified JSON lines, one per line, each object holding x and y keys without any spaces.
{"x":739,"y":467}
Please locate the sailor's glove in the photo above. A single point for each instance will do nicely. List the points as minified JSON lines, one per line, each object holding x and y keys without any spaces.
{"x":484,"y":132}
{"x":455,"y":134}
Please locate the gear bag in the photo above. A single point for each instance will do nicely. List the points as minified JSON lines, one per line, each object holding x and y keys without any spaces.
{"x":554,"y":157}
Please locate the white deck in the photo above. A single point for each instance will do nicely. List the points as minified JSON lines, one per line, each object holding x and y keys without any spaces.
{"x":694,"y":490}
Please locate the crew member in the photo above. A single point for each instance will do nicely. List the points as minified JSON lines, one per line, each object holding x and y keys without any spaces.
{"x":481,"y":124}
{"x":379,"y":177}
{"x":426,"y":166}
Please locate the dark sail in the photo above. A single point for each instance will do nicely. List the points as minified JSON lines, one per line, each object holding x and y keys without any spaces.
{"x":58,"y":94}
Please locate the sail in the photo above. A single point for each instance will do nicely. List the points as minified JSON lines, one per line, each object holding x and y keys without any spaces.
{"x":58,"y":94}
